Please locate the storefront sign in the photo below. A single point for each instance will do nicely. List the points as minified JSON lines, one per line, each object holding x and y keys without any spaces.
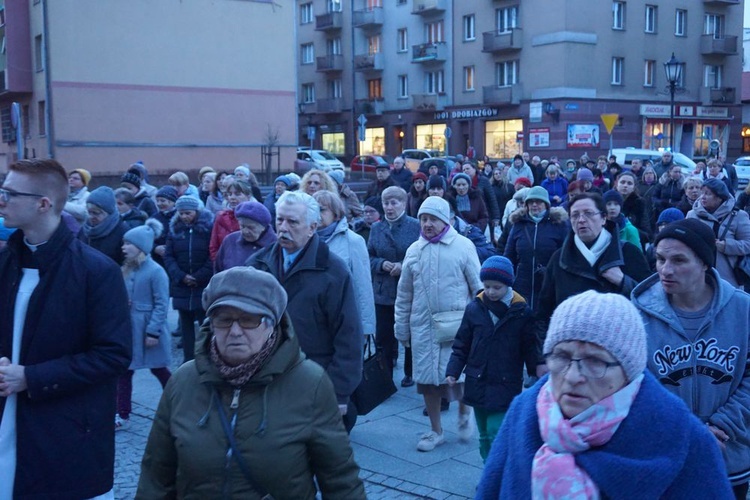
{"x":467,"y":113}
{"x":535,"y":112}
{"x":539,"y":138}
{"x":709,"y":112}
{"x":654,"y":110}
{"x":583,"y":136}
{"x":685,"y":111}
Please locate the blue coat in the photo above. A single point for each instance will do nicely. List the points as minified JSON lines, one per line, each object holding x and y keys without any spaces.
{"x":389,"y":242}
{"x":492,"y":355}
{"x":76,"y":342}
{"x":659,"y":451}
{"x":558,"y":187}
{"x":485,"y":249}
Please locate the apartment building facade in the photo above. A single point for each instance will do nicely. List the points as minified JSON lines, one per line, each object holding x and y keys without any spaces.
{"x":101,"y":84}
{"x":504,"y":76}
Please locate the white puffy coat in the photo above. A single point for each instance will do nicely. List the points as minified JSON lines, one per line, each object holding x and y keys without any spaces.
{"x":436,"y":277}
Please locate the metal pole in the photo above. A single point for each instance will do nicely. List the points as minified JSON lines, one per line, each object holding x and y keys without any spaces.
{"x":671,"y":115}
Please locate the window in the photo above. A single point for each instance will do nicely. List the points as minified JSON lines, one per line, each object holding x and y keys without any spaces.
{"x":333,"y":46}
{"x":308,"y":93}
{"x":712,"y":76}
{"x":430,"y":136}
{"x":42,"y":109}
{"x":650,"y":19}
{"x":506,"y":19}
{"x":680,"y":22}
{"x":403,"y":86}
{"x":373,"y":44}
{"x":617,"y":64}
{"x":371,"y":4}
{"x":469,"y":28}
{"x":500,"y":137}
{"x":307,"y":52}
{"x":306,"y":13}
{"x":38,"y":56}
{"x":618,"y":15}
{"x":334,"y":143}
{"x":469,"y":78}
{"x":334,"y":89}
{"x":8,"y":132}
{"x":433,"y":32}
{"x":649,"y":71}
{"x":506,"y":73}
{"x":374,"y":141}
{"x":402,"y":41}
{"x":375,"y":88}
{"x":334,"y":5}
{"x":400,"y":2}
{"x":681,"y":81}
{"x":434,"y":82}
{"x":713,"y":24}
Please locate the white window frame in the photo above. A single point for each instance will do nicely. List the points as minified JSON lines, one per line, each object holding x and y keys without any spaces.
{"x":333,"y":46}
{"x":506,"y":19}
{"x":306,"y":13}
{"x":618,"y":15}
{"x":374,"y":44}
{"x":714,"y":24}
{"x":652,"y":12}
{"x":506,"y":73}
{"x":470,"y":76}
{"x":618,"y":64}
{"x":470,"y":28}
{"x":334,"y":6}
{"x":402,"y":40}
{"x":434,"y":82}
{"x":403,"y":86}
{"x":434,"y":32}
{"x":713,"y":76}
{"x":307,"y":53}
{"x":649,"y":73}
{"x":334,"y":89}
{"x":308,"y":93}
{"x":680,"y":22}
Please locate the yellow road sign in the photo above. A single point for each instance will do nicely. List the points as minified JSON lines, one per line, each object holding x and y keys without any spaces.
{"x":609,"y":121}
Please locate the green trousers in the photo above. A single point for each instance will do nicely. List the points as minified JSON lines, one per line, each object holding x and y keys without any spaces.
{"x":488,"y":425}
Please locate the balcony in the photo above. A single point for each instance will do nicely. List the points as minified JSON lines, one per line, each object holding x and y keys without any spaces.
{"x":721,"y":2}
{"x":510,"y":95}
{"x":713,"y":46}
{"x":368,"y":63}
{"x":334,"y":105}
{"x":368,"y":18}
{"x":428,"y":102}
{"x":428,"y":7}
{"x":721,"y":95}
{"x":370,"y":106}
{"x":330,"y":63}
{"x":507,"y":41}
{"x":429,"y":52}
{"x":329,"y":22}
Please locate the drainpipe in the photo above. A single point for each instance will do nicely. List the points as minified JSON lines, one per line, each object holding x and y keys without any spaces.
{"x":47,"y":83}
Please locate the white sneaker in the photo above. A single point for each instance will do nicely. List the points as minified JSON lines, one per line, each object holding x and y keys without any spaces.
{"x":429,"y":441}
{"x":121,"y":423}
{"x":465,"y":427}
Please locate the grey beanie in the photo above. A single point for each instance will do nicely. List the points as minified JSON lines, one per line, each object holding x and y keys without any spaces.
{"x":247,"y":289}
{"x":437,"y":207}
{"x":143,"y":236}
{"x":584,"y":174}
{"x":337,"y":175}
{"x":104,"y":198}
{"x":188,"y":203}
{"x":581,"y":318}
{"x":537,"y":193}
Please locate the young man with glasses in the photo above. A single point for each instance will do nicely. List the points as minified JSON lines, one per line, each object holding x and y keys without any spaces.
{"x":65,"y":336}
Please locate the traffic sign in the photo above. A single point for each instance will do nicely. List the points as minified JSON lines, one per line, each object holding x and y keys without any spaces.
{"x":609,"y":121}
{"x":448,"y":132}
{"x":519,"y":136}
{"x":362,"y":119}
{"x":361,"y":133}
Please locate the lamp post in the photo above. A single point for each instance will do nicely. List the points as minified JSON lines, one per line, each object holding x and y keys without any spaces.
{"x":673,"y":69}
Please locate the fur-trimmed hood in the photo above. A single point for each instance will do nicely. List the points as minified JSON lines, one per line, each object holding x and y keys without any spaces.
{"x":204,"y":223}
{"x":556,"y":215}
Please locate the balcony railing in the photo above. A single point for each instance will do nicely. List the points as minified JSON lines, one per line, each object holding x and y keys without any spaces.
{"x":331,"y":62}
{"x":368,"y":62}
{"x":711,"y":45}
{"x":425,"y":7}
{"x":370,"y":106}
{"x":429,"y":52}
{"x":492,"y":94}
{"x":334,"y":105}
{"x":499,"y":42}
{"x":329,"y":21}
{"x":368,"y":18}
{"x":720,"y":95}
{"x":429,"y":102}
{"x":722,"y":2}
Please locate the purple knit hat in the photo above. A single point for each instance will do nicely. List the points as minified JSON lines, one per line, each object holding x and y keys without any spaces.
{"x":254,"y":211}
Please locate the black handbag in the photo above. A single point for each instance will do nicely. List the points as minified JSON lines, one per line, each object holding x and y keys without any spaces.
{"x":377,"y":381}
{"x":742,"y":266}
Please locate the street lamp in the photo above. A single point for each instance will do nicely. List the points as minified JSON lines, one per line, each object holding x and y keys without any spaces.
{"x":673,"y":69}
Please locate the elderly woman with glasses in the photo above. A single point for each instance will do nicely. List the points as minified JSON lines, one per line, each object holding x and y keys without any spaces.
{"x":250,"y":417}
{"x":600,"y":425}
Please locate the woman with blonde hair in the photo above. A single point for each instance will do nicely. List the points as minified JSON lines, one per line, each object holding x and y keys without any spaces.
{"x":316,"y":180}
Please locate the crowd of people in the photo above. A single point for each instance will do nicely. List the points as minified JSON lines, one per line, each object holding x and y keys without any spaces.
{"x":490,"y":276}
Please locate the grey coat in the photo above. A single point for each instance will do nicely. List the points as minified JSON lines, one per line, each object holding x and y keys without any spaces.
{"x":148,"y":291}
{"x":389,"y":242}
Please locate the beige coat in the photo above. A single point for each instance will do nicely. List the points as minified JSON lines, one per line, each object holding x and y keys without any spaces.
{"x":437,"y":277}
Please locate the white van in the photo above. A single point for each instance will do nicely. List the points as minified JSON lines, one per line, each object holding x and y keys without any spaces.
{"x":626,"y":155}
{"x":413,"y":157}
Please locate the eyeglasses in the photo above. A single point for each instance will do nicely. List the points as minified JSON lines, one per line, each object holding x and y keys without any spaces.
{"x":6,"y":195}
{"x":589,"y":367}
{"x":245,"y":322}
{"x":588,"y":214}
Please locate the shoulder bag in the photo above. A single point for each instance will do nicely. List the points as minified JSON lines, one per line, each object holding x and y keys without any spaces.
{"x":377,"y":381}
{"x":742,"y":265}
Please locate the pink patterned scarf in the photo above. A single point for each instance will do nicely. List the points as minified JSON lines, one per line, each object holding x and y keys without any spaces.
{"x":554,"y":473}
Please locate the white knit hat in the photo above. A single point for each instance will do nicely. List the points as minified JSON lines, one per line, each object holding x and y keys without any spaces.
{"x":608,"y":320}
{"x":437,"y":207}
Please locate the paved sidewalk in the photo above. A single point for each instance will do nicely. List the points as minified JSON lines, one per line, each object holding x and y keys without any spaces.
{"x":384,"y":444}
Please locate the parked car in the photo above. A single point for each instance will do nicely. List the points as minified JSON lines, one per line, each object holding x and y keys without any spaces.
{"x":626,"y":155}
{"x":368,"y":163}
{"x":742,"y":166}
{"x":413,"y":157}
{"x":307,"y":159}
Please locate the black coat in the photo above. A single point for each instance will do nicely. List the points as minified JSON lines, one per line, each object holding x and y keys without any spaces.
{"x":109,"y":244}
{"x":145,"y":204}
{"x":488,"y":195}
{"x":493,"y":355}
{"x":667,"y":195}
{"x":634,"y":208}
{"x":76,"y":342}
{"x":134,"y":218}
{"x":187,"y":253}
{"x":165,"y":220}
{"x":503,"y":194}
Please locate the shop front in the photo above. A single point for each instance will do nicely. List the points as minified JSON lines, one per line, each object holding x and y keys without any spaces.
{"x":694,"y":128}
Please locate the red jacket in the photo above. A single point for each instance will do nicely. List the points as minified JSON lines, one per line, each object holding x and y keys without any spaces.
{"x":224,"y":224}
